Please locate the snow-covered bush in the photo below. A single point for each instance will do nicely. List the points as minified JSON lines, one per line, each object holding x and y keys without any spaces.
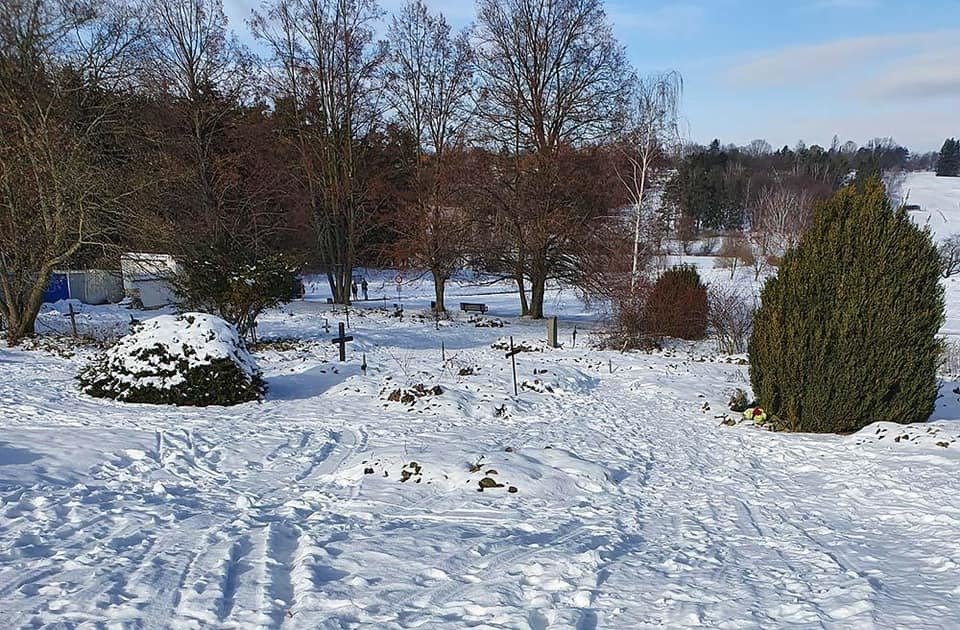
{"x":190,"y":359}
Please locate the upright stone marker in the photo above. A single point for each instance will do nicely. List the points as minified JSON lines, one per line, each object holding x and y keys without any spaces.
{"x":552,"y":327}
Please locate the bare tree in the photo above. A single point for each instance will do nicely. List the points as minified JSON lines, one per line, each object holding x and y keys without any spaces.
{"x":203,"y":74}
{"x":735,"y":250}
{"x":553,"y":76}
{"x":326,"y":73}
{"x":758,"y":148}
{"x":653,"y":133}
{"x":65,"y":70}
{"x":731,"y":316}
{"x":430,"y":84}
{"x":782,"y":210}
{"x":950,"y":255}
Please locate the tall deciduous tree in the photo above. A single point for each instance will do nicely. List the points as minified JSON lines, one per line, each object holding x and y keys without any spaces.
{"x":327,"y":65}
{"x":201,"y":74}
{"x":430,"y":84}
{"x":66,"y":70}
{"x":553,"y":76}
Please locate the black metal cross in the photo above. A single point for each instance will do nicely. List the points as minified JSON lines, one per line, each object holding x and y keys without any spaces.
{"x":342,"y":340}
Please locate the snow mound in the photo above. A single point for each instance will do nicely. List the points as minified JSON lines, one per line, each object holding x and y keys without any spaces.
{"x":191,"y":359}
{"x":530,"y":471}
{"x":936,"y":437}
{"x":559,"y":380}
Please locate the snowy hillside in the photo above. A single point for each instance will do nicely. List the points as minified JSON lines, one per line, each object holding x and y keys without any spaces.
{"x":939,"y":201}
{"x":612,"y":494}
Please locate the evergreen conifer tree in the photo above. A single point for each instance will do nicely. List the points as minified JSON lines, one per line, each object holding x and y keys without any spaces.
{"x":846,"y":332}
{"x":948,"y":165}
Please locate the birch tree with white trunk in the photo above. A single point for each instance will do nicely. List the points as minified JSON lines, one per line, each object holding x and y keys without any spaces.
{"x":652,"y":134}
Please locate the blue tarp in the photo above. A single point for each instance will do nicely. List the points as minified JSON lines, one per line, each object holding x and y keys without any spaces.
{"x":57,"y":289}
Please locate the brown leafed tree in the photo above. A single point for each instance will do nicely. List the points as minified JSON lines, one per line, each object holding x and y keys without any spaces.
{"x":204,"y":80}
{"x":552,"y":78}
{"x":430,"y":85}
{"x":325,"y":78}
{"x":66,"y":73}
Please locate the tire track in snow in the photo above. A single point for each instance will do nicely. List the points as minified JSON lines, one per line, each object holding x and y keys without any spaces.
{"x":283,"y":542}
{"x":234,"y":567}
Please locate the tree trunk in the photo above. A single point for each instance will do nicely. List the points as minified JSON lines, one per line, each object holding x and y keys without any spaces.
{"x":538,"y":290}
{"x":23,"y":322}
{"x":439,"y":287}
{"x":340,"y":285}
{"x":524,"y":306}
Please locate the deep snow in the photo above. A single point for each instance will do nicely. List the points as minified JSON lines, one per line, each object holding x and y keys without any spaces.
{"x":635,"y":507}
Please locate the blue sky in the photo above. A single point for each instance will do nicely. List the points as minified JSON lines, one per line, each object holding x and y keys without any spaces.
{"x":787,"y":70}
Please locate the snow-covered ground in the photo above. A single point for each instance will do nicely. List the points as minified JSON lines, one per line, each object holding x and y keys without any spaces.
{"x":329,"y":505}
{"x":939,"y":201}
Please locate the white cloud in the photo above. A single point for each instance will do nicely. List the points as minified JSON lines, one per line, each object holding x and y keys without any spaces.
{"x":929,"y":75}
{"x":816,"y":62}
{"x":666,"y":20}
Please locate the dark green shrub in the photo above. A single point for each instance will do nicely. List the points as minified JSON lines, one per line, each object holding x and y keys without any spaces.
{"x":235,"y":283}
{"x":677,"y":305}
{"x":846,"y":332}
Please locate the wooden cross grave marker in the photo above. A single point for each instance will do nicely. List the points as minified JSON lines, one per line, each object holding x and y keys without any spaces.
{"x":342,"y":341}
{"x":73,"y":319}
{"x":512,"y":355}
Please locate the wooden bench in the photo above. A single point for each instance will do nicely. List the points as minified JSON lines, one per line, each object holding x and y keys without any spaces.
{"x":473,"y":307}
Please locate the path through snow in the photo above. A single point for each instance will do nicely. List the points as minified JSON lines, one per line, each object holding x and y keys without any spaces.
{"x":635,"y":508}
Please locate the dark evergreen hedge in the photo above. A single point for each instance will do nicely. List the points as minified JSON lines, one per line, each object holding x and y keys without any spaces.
{"x":846,"y":332}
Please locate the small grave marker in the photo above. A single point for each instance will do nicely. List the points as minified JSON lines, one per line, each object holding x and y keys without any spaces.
{"x":552,"y":333}
{"x":512,"y":355}
{"x":73,"y":320}
{"x":342,"y":342}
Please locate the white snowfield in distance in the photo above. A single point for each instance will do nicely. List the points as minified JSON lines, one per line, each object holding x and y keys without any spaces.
{"x":349,"y":500}
{"x":939,"y":201}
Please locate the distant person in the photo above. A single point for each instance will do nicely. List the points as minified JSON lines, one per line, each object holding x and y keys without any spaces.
{"x":354,"y":287}
{"x":365,"y":287}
